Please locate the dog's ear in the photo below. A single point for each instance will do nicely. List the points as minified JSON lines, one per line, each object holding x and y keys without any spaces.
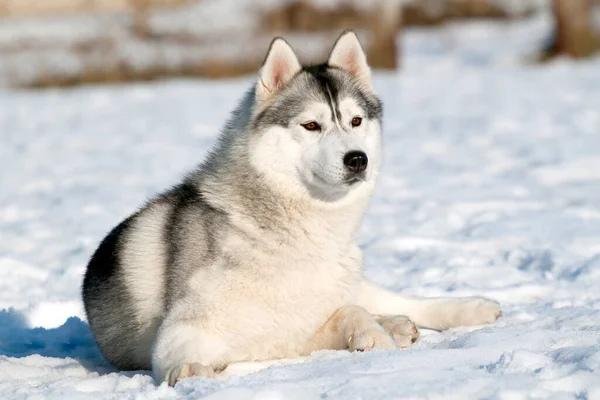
{"x":280,"y":66}
{"x":348,"y":55}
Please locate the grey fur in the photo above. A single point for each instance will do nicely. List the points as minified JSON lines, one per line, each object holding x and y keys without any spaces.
{"x":195,"y":222}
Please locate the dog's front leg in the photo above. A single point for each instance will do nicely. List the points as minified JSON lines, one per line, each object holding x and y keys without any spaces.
{"x":434,"y":313}
{"x":350,"y":327}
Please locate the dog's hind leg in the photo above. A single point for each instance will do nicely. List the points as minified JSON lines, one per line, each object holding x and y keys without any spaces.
{"x":433,"y":313}
{"x":183,"y":349}
{"x":353,"y":328}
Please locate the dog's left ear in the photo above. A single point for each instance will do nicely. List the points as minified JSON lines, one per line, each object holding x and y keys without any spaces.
{"x":280,"y":66}
{"x":348,"y":55}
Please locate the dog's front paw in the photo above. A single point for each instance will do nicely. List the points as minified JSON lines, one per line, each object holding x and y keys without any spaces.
{"x":371,"y":338}
{"x":401,"y":329}
{"x":468,"y":311}
{"x":188,"y":370}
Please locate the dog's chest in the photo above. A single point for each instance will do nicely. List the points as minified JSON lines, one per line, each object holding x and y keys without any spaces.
{"x":287,"y":311}
{"x":290,"y":294}
{"x":271,"y":290}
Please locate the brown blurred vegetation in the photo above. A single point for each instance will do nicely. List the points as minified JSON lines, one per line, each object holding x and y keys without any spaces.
{"x":21,"y":8}
{"x":574,"y":36}
{"x":103,"y":58}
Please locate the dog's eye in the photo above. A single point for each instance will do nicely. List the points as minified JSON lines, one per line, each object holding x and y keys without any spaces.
{"x":312,"y":126}
{"x":356,"y":121}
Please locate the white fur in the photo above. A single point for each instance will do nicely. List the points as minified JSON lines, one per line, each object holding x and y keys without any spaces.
{"x":434,"y":313}
{"x":270,"y":308}
{"x":145,"y":256}
{"x":300,"y":290}
{"x":313,"y":161}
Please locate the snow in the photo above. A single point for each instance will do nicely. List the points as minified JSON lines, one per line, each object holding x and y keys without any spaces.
{"x":490,"y":187}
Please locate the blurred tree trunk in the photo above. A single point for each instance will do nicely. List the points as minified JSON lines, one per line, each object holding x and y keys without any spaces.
{"x":575,"y":35}
{"x":383,"y":52}
{"x":141,"y":14}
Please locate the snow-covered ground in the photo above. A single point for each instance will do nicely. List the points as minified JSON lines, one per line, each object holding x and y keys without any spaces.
{"x":491,"y":186}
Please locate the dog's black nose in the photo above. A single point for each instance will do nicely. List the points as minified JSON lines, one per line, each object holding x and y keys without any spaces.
{"x":356,"y":161}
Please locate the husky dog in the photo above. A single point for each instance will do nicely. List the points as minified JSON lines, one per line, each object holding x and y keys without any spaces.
{"x":253,"y":256}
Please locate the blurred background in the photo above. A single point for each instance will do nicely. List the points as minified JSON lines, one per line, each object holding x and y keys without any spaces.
{"x":70,"y":42}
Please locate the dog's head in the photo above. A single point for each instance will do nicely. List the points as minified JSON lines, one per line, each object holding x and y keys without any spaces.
{"x":317,"y":127}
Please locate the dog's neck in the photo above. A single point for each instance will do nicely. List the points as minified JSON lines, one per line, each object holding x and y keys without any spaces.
{"x":239,"y":190}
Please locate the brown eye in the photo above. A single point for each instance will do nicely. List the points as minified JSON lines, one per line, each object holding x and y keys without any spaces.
{"x":312,"y":126}
{"x":356,"y":121}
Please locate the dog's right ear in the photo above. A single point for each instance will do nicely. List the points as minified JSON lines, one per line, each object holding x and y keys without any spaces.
{"x":280,"y":66}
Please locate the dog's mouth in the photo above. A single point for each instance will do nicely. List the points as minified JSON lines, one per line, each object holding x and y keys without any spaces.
{"x":349,"y":180}
{"x":352,"y":181}
{"x":326,"y":190}
{"x":321,"y":181}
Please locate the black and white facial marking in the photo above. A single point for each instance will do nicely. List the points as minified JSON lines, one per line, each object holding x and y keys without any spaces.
{"x":317,"y":126}
{"x":318,"y":83}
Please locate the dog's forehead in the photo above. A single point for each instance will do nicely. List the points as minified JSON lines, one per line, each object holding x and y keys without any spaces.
{"x":328,"y":84}
{"x":319,"y":109}
{"x":336,"y":87}
{"x":349,"y":104}
{"x":322,"y":110}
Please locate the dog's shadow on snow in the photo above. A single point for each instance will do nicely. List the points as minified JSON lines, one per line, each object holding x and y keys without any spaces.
{"x":71,"y":340}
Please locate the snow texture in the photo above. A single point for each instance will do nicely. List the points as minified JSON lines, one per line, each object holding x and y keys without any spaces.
{"x":491,"y":186}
